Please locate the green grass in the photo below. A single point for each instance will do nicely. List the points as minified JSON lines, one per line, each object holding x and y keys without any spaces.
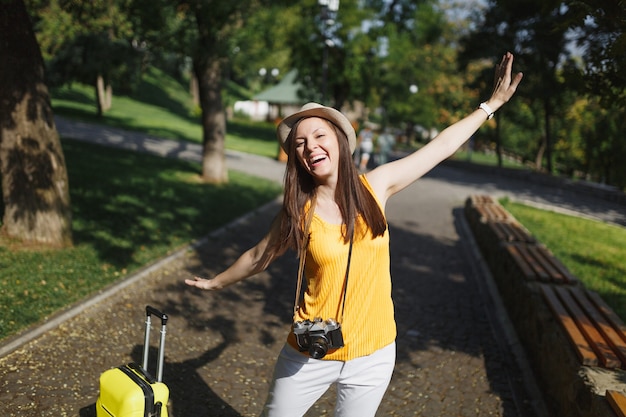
{"x":129,"y":209}
{"x":593,"y":251}
{"x":161,"y":107}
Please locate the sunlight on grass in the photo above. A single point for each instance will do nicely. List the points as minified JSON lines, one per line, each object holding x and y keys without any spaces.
{"x":129,"y":209}
{"x":161,"y":107}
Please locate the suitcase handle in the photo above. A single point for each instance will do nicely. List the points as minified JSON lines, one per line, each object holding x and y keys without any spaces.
{"x":146,"y":343}
{"x":151,"y":310}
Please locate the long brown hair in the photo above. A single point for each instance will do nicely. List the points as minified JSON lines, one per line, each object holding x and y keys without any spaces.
{"x":352,"y":197}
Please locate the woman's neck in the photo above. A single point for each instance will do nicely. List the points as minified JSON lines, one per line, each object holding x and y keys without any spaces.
{"x":325,"y":192}
{"x":326,"y":207}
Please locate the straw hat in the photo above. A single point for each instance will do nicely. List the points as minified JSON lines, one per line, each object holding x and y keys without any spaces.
{"x":317,"y":110}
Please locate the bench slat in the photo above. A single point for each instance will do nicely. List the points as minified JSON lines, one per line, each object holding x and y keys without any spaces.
{"x":543,"y":257}
{"x":568,"y":277}
{"x":522,"y":234}
{"x":581,"y":346}
{"x":615,"y":320}
{"x":610,"y":325}
{"x":537,"y":263}
{"x":606,"y":356}
{"x":617,"y":400}
{"x":527,"y":270}
{"x":534,"y":260}
{"x":481,"y":199}
{"x":496,"y":212}
{"x":510,"y":232}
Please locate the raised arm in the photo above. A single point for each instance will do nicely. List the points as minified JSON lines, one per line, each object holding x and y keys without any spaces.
{"x":251,"y":262}
{"x":390,"y":178}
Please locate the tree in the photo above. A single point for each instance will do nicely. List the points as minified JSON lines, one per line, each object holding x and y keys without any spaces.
{"x":534,"y":30}
{"x":377,"y":52}
{"x":35,"y":188}
{"x":205,"y":32}
{"x":420,"y":83}
{"x":598,"y":27}
{"x":334,"y":56}
{"x":88,"y":42}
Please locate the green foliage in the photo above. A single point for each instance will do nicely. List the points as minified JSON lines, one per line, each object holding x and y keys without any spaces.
{"x":599,"y":29}
{"x":556,"y":121}
{"x":83,"y":40}
{"x":128,"y":210}
{"x":378,"y":49}
{"x":262,"y":44}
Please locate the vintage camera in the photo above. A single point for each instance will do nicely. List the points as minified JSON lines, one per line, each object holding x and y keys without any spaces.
{"x":318,"y":336}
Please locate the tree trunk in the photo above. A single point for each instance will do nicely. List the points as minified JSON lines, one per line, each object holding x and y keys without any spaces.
{"x":548,"y":134}
{"x":102,"y":95}
{"x":193,"y":90}
{"x":108,"y":98}
{"x":539,"y":156}
{"x":498,"y":141}
{"x":214,"y":168}
{"x":35,"y":187}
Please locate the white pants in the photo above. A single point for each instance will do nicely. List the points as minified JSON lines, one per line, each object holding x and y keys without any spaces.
{"x":299,"y":381}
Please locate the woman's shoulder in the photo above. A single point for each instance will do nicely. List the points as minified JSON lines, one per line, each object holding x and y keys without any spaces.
{"x":368,"y":185}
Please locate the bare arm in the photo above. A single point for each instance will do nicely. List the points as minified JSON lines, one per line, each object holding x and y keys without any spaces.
{"x":390,"y":178}
{"x":251,"y":262}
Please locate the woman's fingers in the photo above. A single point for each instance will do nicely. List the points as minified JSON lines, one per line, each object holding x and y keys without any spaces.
{"x":504,"y":84}
{"x":198,"y":282}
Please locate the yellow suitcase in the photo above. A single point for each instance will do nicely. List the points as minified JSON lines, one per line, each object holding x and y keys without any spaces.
{"x":129,"y":390}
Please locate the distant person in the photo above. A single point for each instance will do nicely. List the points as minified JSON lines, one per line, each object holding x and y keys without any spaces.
{"x":385,"y":143}
{"x":334,"y":218}
{"x":366,"y":147}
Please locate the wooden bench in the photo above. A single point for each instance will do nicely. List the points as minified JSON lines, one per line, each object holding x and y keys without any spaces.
{"x":597,"y":334}
{"x":537,"y":263}
{"x":483,"y":208}
{"x":617,"y":400}
{"x":510,"y":232}
{"x":493,"y":212}
{"x":493,"y":223}
{"x":564,"y":326}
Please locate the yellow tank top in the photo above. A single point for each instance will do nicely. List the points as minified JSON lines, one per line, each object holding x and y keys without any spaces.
{"x":368,"y":322}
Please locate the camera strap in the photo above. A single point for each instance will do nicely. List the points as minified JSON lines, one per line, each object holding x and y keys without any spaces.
{"x":302,"y":259}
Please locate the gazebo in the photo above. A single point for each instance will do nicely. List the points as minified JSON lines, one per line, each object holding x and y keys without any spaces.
{"x":283,"y":97}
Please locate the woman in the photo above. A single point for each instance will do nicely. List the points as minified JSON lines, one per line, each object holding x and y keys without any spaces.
{"x":335,"y":219}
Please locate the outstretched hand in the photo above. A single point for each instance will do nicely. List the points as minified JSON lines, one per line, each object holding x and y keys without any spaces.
{"x":202,"y":283}
{"x":504,"y":85}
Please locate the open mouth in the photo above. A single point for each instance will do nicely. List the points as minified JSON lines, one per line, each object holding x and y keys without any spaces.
{"x":316,"y":160}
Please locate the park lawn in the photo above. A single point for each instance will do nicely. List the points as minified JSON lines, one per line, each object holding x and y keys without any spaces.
{"x":129,"y":209}
{"x":161,"y":107}
{"x":593,"y":251}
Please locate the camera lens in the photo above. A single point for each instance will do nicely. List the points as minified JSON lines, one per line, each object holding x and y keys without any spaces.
{"x":318,"y":348}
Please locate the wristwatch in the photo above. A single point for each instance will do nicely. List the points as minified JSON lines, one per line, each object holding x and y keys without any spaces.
{"x":484,"y":106}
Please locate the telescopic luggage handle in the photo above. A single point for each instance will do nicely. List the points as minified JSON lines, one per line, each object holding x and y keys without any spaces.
{"x":146,"y":343}
{"x":151,"y":310}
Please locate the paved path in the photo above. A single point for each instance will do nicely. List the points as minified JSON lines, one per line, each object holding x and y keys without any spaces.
{"x":456,"y":355}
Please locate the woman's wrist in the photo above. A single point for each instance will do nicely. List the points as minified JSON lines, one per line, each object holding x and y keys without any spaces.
{"x":491,"y":106}
{"x":487,"y":109}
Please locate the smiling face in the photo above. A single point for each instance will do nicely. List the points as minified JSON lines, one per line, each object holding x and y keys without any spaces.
{"x":317,"y":148}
